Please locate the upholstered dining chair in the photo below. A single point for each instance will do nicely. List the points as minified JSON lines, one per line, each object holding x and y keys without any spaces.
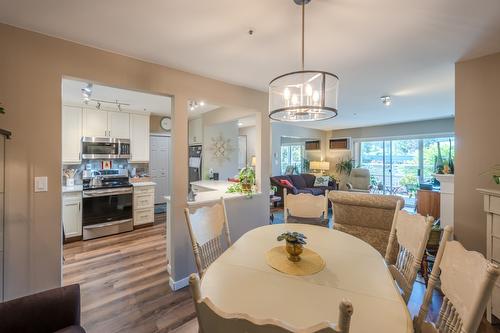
{"x":207,"y":227}
{"x":306,"y":208}
{"x":213,"y":319}
{"x":467,"y":280}
{"x":410,"y":232}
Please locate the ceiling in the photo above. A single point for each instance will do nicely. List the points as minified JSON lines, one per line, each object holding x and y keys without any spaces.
{"x":137,"y":101}
{"x":406,"y":49}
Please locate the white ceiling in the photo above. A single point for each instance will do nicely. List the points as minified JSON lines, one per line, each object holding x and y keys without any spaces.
{"x":406,"y":49}
{"x":139,"y":101}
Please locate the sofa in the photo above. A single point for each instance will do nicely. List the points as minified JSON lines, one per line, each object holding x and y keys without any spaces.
{"x":365,"y":216}
{"x":303,"y":183}
{"x":55,"y":310}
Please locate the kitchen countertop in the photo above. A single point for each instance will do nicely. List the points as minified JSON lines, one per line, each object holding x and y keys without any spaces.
{"x":212,"y":190}
{"x":75,"y":188}
{"x":148,"y":183}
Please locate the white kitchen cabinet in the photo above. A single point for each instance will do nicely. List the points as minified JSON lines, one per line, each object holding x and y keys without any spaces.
{"x":106,"y":124}
{"x":118,"y":125}
{"x":144,"y":198}
{"x":72,"y":214}
{"x":139,"y":138}
{"x":95,"y":123}
{"x":71,"y":134}
{"x":195,"y":131}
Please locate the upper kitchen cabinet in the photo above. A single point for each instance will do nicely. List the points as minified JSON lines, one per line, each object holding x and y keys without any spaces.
{"x":139,"y":138}
{"x":95,"y":123}
{"x":119,"y":125}
{"x":71,"y":134}
{"x":106,"y":124}
{"x":195,"y":131}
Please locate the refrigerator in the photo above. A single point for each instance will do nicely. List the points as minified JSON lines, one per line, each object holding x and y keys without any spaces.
{"x":194,"y":155}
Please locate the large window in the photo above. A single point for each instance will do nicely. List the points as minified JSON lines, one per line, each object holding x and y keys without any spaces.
{"x":397,"y":166}
{"x":292,"y":156}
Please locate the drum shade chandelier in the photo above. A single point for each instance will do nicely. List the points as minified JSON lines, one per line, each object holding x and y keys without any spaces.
{"x":304,"y":95}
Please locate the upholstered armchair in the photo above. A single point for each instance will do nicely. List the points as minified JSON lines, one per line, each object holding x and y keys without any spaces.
{"x":365,"y":216}
{"x":359,"y":180}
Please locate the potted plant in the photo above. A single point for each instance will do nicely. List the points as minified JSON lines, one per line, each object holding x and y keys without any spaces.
{"x":494,"y":171}
{"x":273,"y":190}
{"x":295,"y":242}
{"x":345,"y":166}
{"x":247,"y":179}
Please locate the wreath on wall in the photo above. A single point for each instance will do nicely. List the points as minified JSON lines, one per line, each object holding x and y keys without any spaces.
{"x":221,"y":148}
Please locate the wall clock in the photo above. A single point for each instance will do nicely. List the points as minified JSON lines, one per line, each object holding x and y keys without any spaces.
{"x":166,"y":123}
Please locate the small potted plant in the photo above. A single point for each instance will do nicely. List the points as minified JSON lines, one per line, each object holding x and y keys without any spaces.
{"x":494,"y":171}
{"x":295,"y":242}
{"x":247,"y":179}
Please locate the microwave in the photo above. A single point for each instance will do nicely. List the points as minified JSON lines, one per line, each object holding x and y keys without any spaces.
{"x":105,"y":148}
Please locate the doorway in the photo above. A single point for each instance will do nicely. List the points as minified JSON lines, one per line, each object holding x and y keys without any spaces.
{"x":158,"y":166}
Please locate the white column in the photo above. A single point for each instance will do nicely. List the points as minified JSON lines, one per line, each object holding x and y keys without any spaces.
{"x":446,"y":208}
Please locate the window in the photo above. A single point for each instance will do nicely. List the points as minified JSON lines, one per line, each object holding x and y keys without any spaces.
{"x":397,"y":166}
{"x":292,"y":155}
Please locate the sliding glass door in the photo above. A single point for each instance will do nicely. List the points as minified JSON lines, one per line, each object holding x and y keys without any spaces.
{"x":292,"y":158}
{"x":397,"y":166}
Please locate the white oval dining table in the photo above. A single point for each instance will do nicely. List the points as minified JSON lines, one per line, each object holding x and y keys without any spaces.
{"x":240,"y":281}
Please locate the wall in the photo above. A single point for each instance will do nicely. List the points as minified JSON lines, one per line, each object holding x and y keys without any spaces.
{"x":227,"y":167}
{"x":477,"y":118}
{"x":279,"y":130}
{"x":32,"y":67}
{"x":251,"y":133}
{"x":435,"y":126}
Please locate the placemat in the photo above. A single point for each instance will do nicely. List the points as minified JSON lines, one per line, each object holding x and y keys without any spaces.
{"x":310,"y":263}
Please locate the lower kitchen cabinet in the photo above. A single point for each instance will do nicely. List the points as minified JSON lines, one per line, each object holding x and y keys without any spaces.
{"x":72,"y":214}
{"x":144,"y":199}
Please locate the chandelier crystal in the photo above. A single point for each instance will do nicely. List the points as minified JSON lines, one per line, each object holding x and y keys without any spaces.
{"x":304,"y":95}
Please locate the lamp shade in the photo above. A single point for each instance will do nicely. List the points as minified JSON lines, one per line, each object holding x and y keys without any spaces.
{"x":254,"y":161}
{"x":314,"y":165}
{"x":324,"y":165}
{"x":303,"y":96}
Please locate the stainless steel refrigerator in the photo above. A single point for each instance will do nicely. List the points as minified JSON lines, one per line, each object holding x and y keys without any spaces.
{"x":194,"y":154}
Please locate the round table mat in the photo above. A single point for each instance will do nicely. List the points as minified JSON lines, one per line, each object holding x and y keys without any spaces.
{"x":310,"y":263}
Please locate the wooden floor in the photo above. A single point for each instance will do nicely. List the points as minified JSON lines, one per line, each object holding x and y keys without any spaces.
{"x":124,"y":285}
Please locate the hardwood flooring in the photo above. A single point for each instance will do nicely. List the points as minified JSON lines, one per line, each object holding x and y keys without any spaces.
{"x":124,"y":285}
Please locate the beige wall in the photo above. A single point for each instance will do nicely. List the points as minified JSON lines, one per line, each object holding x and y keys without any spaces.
{"x":32,"y":66}
{"x":477,"y":121}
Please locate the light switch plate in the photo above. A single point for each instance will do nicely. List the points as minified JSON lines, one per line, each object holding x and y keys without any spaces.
{"x":41,"y":184}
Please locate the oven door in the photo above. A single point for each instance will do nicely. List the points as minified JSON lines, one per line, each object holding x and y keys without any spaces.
{"x":100,"y":148}
{"x":106,"y":212}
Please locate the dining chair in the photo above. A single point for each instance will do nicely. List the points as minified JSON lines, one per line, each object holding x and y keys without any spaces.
{"x":467,"y":281}
{"x":207,"y":227}
{"x":409,"y":233}
{"x":306,"y":208}
{"x":213,"y":319}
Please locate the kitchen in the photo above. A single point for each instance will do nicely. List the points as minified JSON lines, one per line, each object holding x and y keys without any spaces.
{"x":111,"y":183}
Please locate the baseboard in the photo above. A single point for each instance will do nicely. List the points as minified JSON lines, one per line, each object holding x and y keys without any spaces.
{"x":176,"y":285}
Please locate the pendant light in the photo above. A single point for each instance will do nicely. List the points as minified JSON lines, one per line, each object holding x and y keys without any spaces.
{"x":304,"y":95}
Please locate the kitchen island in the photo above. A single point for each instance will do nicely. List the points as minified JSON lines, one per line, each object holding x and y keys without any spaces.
{"x":244,"y":213}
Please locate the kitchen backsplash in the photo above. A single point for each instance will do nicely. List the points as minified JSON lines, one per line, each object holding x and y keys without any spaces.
{"x":141,"y":169}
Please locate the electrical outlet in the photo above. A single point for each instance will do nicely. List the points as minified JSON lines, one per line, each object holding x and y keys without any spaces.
{"x":41,"y":184}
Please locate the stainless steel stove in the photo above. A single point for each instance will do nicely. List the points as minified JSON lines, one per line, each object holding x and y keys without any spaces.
{"x":107,"y":204}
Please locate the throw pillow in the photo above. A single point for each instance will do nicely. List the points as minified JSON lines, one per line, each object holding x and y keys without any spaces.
{"x":286,"y":183}
{"x":321,"y":181}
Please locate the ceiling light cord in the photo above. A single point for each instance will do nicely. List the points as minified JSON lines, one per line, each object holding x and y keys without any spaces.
{"x":303,"y":28}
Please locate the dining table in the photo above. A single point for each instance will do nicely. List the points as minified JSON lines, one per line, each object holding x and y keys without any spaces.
{"x":241,"y":281}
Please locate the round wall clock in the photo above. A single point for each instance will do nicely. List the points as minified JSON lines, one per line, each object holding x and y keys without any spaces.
{"x":166,"y":123}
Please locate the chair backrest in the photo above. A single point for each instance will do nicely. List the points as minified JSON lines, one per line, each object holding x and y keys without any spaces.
{"x":207,"y":227}
{"x":360,"y":178}
{"x":305,"y":205}
{"x":213,"y":319}
{"x":467,"y":280}
{"x":410,"y":232}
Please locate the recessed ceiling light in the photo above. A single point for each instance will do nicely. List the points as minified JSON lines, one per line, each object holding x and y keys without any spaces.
{"x":240,"y":124}
{"x":202,"y":103}
{"x":386,"y":100}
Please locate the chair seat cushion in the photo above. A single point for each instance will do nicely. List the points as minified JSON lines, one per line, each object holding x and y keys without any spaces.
{"x":71,"y":329}
{"x":319,"y":221}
